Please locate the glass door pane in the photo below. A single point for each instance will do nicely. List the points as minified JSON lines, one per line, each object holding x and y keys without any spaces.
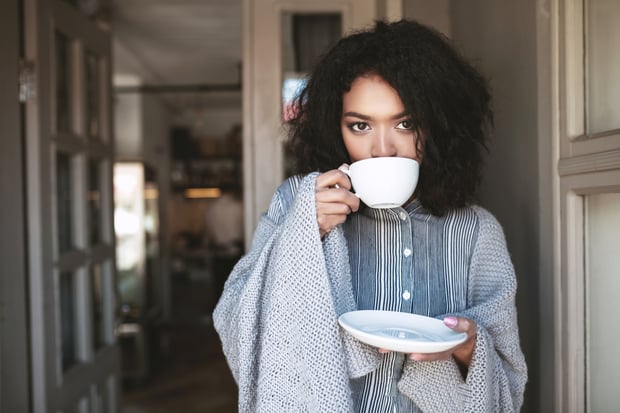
{"x":64,"y":90}
{"x":93,"y":95}
{"x":98,"y":308}
{"x":64,"y":202}
{"x":68,"y":319}
{"x":130,"y":234}
{"x":602,"y":65}
{"x":95,"y":211}
{"x":602,"y":295}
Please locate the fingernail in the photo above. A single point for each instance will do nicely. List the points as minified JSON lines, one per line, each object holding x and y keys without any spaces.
{"x":450,"y":321}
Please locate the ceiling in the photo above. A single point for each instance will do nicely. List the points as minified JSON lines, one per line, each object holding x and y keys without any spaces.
{"x":180,"y":46}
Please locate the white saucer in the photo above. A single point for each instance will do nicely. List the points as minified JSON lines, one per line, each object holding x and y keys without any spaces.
{"x":402,"y":332}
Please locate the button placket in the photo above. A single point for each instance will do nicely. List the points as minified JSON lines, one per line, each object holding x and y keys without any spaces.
{"x":406,"y":294}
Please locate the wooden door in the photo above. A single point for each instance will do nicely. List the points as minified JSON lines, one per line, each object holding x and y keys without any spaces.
{"x":69,"y":154}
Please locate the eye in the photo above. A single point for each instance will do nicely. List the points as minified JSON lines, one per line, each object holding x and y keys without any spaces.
{"x":359,"y":126}
{"x":407,"y":124}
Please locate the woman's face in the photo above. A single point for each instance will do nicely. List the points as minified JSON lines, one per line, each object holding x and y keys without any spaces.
{"x":374,"y":122}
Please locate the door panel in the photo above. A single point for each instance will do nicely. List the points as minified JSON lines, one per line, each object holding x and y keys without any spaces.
{"x":588,"y":145}
{"x":75,"y":360}
{"x":602,"y":283}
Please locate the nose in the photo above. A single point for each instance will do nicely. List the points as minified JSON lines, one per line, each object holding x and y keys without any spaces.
{"x":383,"y":144}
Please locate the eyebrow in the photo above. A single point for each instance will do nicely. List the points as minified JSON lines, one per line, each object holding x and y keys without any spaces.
{"x":366,"y":117}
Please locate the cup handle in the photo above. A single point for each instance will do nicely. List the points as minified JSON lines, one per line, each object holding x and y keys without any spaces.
{"x":345,"y":168}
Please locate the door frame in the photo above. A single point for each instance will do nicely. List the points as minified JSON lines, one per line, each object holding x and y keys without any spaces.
{"x":263,"y":135}
{"x":14,"y":364}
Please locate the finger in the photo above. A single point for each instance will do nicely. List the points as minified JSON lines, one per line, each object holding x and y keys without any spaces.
{"x":330,"y":215}
{"x":384,"y":351}
{"x":461,"y":324}
{"x":333,"y":208}
{"x":444,"y":355}
{"x":463,"y":353}
{"x":338,"y":196}
{"x":333,"y":178}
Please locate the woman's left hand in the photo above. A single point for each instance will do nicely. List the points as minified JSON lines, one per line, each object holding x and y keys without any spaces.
{"x":462,"y":353}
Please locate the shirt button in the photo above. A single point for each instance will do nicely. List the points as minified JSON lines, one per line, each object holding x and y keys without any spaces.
{"x":403,"y":215}
{"x":406,"y":295}
{"x":407,"y":252}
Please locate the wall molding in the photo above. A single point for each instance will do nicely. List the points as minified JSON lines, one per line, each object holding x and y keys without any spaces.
{"x":595,"y":162}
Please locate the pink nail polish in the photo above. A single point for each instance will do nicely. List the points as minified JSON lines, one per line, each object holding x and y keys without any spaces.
{"x":450,"y":321}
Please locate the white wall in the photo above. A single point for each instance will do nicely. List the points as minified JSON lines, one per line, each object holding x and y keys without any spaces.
{"x":155,"y":128}
{"x":435,"y":13}
{"x":504,"y":46}
{"x":127,"y":120}
{"x":211,"y":121}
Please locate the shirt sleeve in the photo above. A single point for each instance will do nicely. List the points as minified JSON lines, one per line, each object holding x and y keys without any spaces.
{"x":497,"y":374}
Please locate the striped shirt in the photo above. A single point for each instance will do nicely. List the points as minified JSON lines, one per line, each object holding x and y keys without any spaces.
{"x":407,"y":260}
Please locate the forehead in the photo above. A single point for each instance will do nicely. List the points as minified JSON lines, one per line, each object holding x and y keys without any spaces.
{"x":370,"y":94}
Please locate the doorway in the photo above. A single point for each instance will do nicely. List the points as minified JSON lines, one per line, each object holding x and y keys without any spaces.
{"x":208,"y":153}
{"x":177,"y":109}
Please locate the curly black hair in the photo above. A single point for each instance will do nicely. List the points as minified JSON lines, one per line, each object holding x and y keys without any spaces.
{"x":447,"y":99}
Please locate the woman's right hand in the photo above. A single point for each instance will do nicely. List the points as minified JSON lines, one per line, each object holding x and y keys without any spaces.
{"x":334,"y":200}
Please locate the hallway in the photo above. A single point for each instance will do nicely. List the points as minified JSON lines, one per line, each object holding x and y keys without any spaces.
{"x":192,"y":375}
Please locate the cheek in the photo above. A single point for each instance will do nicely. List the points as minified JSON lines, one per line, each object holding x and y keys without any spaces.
{"x":352,"y":149}
{"x":406,"y":146}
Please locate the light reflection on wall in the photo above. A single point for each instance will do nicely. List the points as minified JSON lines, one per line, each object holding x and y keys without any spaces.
{"x":129,"y":229}
{"x":291,"y":87}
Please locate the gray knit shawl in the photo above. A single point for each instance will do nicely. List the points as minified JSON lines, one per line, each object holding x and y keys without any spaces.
{"x":277,"y":319}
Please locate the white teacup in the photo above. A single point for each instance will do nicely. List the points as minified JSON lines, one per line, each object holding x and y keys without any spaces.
{"x":384,"y":182}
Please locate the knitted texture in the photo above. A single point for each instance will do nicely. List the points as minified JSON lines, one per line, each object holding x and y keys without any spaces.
{"x":277,"y":320}
{"x":498,"y":373}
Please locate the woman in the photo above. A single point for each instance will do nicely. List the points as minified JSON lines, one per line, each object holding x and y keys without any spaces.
{"x":397,"y":90}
